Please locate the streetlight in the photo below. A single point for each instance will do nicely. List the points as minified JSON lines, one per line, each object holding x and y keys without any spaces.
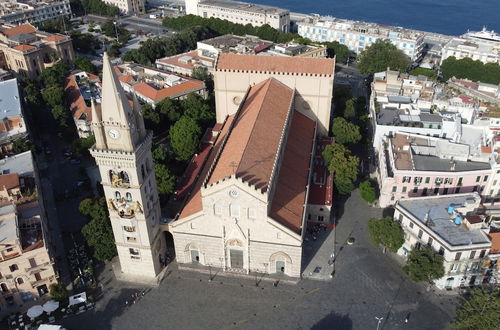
{"x":379,"y":320}
{"x":116,"y":30}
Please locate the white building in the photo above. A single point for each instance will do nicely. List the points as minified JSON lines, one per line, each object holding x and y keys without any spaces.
{"x":483,"y":46}
{"x":128,"y":6}
{"x":18,"y":12}
{"x":452,"y":227}
{"x":358,"y":35}
{"x":241,"y":13}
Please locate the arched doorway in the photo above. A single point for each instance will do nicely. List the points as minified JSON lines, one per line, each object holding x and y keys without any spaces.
{"x":170,"y":248}
{"x":193,"y":254}
{"x":280,"y":263}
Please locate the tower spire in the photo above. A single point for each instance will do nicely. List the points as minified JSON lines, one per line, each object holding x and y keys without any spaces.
{"x":100,"y":139}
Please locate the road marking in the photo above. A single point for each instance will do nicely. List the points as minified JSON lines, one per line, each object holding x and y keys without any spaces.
{"x":312,"y":291}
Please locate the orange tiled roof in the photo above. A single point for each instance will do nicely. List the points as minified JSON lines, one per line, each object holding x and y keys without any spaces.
{"x":118,"y":71}
{"x":21,"y":29}
{"x":23,"y":48}
{"x":495,"y":242}
{"x":78,"y":107}
{"x":228,"y":61}
{"x":251,"y":149}
{"x":54,"y":37}
{"x":126,"y":78}
{"x":177,"y":90}
{"x":290,"y":195}
{"x":174,"y":60}
{"x":9,"y":181}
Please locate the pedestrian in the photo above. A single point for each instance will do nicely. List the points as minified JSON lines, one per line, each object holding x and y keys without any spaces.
{"x":407,"y":318}
{"x":126,"y":303}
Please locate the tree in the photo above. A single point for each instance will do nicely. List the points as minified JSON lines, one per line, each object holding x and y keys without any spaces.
{"x":151,"y":115}
{"x":350,"y":109}
{"x":170,"y":110}
{"x":381,"y":55}
{"x":21,"y":145}
{"x":98,"y":231}
{"x":57,"y":291}
{"x":343,"y":165}
{"x":84,"y":64}
{"x":345,"y":132}
{"x":33,"y":95}
{"x":471,"y":69}
{"x":341,"y":52}
{"x":480,"y":310}
{"x":424,"y":264}
{"x":61,"y":115}
{"x":114,"y":50}
{"x":53,"y":95}
{"x":185,"y":138}
{"x":367,"y":191}
{"x":165,"y":180}
{"x":197,"y":108}
{"x":200,"y":73}
{"x":386,"y":232}
{"x":55,"y":75}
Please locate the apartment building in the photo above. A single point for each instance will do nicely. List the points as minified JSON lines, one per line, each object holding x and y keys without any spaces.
{"x":128,"y":6}
{"x":80,"y":89}
{"x":17,"y":12}
{"x":411,"y":165}
{"x":151,"y":85}
{"x":358,"y":35}
{"x":185,"y":63}
{"x":12,"y":125}
{"x":294,"y":49}
{"x":241,"y":13}
{"x":28,"y":51}
{"x":482,"y":91}
{"x":483,"y":46}
{"x":26,"y":254}
{"x":452,"y":226}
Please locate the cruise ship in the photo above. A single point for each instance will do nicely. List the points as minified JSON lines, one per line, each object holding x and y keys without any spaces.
{"x":484,"y":34}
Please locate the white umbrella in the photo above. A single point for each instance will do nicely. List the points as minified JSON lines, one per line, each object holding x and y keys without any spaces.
{"x":50,"y":306}
{"x":35,"y":311}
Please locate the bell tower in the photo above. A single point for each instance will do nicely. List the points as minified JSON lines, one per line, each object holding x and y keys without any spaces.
{"x":123,"y":154}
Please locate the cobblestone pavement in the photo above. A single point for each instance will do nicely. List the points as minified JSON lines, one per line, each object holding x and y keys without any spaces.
{"x":367,"y":284}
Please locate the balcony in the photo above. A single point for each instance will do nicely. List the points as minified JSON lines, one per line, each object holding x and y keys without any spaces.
{"x":36,"y":268}
{"x":43,"y":281}
{"x":126,"y":209}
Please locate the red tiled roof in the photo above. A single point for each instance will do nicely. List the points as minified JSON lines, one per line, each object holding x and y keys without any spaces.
{"x":21,"y":29}
{"x":54,"y":37}
{"x":193,"y":204}
{"x":288,"y":203}
{"x":174,"y":60}
{"x":9,"y":181}
{"x":227,"y":61}
{"x":252,"y":147}
{"x":174,"y":91}
{"x":78,"y":107}
{"x":495,"y":242}
{"x":321,"y":186}
{"x":126,"y":78}
{"x":23,"y":48}
{"x":118,"y":71}
{"x":486,"y":150}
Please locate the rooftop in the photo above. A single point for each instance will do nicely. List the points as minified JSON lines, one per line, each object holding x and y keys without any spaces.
{"x":10,"y":104}
{"x":21,"y":29}
{"x":254,"y":141}
{"x":299,"y":65}
{"x":9,"y":181}
{"x":8,"y":224}
{"x":187,"y":60}
{"x":231,"y":42}
{"x":21,"y":163}
{"x":321,"y":186}
{"x":245,"y":6}
{"x":157,"y":94}
{"x":495,"y":242}
{"x":442,"y":223}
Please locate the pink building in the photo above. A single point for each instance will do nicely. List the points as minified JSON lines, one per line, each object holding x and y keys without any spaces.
{"x":413,"y":165}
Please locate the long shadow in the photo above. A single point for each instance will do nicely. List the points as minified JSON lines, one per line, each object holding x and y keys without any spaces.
{"x":334,"y":321}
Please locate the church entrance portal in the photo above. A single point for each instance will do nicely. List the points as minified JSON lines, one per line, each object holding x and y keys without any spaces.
{"x":280,"y":266}
{"x":236,"y":258}
{"x":170,"y":249}
{"x":195,"y":256}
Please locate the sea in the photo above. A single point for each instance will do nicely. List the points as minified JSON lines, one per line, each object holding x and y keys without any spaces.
{"x":451,"y":17}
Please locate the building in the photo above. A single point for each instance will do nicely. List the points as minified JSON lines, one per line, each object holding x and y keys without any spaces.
{"x":411,"y":165}
{"x":128,"y":6}
{"x":185,"y":63}
{"x":482,"y":91}
{"x":81,"y":88}
{"x":151,"y":85}
{"x":294,"y":49}
{"x":28,"y":51}
{"x":483,"y":46}
{"x":123,"y":154}
{"x":241,"y":13}
{"x":12,"y":125}
{"x":311,"y":78}
{"x":491,"y":265}
{"x":26,"y":260}
{"x":358,"y":35}
{"x":17,"y":12}
{"x":452,"y":226}
{"x":230,"y":43}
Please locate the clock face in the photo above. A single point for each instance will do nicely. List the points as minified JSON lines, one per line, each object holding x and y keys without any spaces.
{"x":114,"y":134}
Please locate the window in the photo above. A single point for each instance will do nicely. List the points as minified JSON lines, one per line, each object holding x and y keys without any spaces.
{"x":129,"y":229}
{"x":404,"y":189}
{"x":406,"y":179}
{"x":424,"y":192}
{"x":131,"y":239}
{"x":420,"y":233}
{"x":478,"y":178}
{"x":13,"y":267}
{"x":441,"y":250}
{"x":427,"y":179}
{"x":134,"y":253}
{"x":19,"y":280}
{"x":472,"y":254}
{"x":458,"y":255}
{"x":394,"y":188}
{"x":481,"y":255}
{"x":429,"y":241}
{"x":415,"y":190}
{"x":460,"y":181}
{"x":485,"y":178}
{"x":217,"y":210}
{"x":457,"y":190}
{"x":448,"y":181}
{"x":438,"y":181}
{"x":252,"y":213}
{"x":279,"y":235}
{"x":495,"y":182}
{"x":234,"y":211}
{"x":129,"y":197}
{"x":400,"y":218}
{"x":454,"y":268}
{"x":118,"y":196}
{"x":417,"y":180}
{"x":321,"y":218}
{"x":411,"y":224}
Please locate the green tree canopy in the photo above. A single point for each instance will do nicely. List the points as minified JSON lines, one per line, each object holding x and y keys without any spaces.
{"x":470,"y":69}
{"x":480,"y":310}
{"x":57,"y":291}
{"x":386,"y":232}
{"x":200,"y":73}
{"x":343,"y":165}
{"x":185,"y":138}
{"x":61,"y":115}
{"x":170,"y":110}
{"x":197,"y":108}
{"x":84,"y":64}
{"x":165,"y":180}
{"x":98,"y":231}
{"x":33,"y":95}
{"x":424,"y":264}
{"x":381,"y":55}
{"x":345,"y":132}
{"x":341,"y":52}
{"x":53,"y":95}
{"x":367,"y":191}
{"x":21,"y":145}
{"x":55,"y":75}
{"x":350,"y":109}
{"x":95,"y":7}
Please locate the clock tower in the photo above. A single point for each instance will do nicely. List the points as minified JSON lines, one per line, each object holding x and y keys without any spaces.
{"x":123,"y":154}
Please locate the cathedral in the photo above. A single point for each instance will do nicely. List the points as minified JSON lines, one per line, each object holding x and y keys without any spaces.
{"x":244,"y":197}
